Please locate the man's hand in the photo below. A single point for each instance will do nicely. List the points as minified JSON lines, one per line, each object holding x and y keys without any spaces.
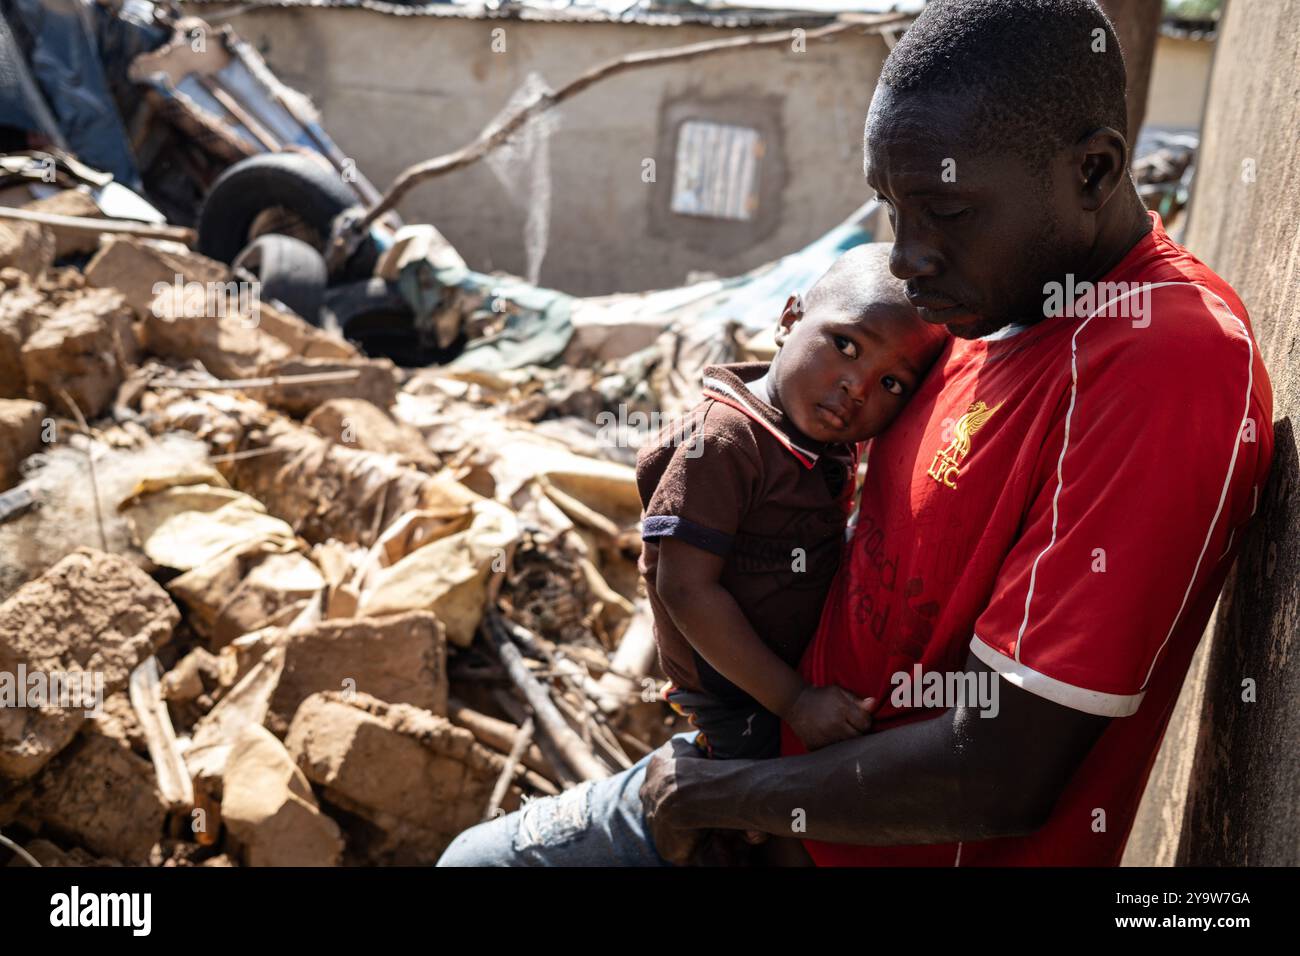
{"x":678,"y":845}
{"x":821,"y":716}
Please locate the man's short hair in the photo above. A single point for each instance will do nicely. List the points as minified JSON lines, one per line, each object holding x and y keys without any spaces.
{"x":1041,"y":73}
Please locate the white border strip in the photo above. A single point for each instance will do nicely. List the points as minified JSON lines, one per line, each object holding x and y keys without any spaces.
{"x":1069,"y":415}
{"x":1057,"y":691}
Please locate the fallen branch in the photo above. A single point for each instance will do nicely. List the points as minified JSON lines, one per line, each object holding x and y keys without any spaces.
{"x":550,"y":722}
{"x":494,"y":136}
{"x":31,"y":860}
{"x":639,"y":746}
{"x":576,"y":510}
{"x":631,"y":664}
{"x":602,"y":736}
{"x":90,"y":463}
{"x":273,"y":381}
{"x":496,"y":734}
{"x":558,"y":769}
{"x":577,"y":721}
{"x":173,"y":778}
{"x":60,"y":223}
{"x":523,"y":737}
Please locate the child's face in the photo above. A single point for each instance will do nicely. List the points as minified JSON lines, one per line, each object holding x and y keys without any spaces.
{"x":844,"y":378}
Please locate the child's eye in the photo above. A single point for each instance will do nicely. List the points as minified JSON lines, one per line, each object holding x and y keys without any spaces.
{"x":892,"y":385}
{"x":846,"y":346}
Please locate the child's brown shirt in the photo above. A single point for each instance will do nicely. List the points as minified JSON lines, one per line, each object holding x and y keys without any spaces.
{"x":735,"y":478}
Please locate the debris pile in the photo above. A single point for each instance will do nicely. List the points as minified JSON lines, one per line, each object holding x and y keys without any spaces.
{"x":265,"y":600}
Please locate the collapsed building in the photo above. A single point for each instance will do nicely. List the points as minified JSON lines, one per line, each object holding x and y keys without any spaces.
{"x":340,"y":533}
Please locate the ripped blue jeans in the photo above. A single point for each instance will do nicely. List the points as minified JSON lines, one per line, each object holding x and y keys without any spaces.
{"x":597,"y":823}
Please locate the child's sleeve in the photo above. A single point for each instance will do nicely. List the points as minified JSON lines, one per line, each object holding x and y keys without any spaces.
{"x":709,"y":485}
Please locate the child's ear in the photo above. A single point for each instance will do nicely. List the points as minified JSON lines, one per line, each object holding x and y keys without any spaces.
{"x":791,"y":314}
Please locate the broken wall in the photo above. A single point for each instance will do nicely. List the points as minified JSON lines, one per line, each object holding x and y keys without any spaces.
{"x":394,"y":90}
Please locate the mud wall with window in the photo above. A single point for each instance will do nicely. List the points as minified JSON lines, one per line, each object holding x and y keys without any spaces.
{"x":394,"y":90}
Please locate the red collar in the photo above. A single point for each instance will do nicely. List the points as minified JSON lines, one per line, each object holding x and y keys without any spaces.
{"x":722,"y":384}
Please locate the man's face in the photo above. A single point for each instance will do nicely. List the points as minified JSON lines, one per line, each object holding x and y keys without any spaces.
{"x":976,"y":236}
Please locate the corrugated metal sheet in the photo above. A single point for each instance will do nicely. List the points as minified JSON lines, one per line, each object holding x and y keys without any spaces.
{"x":716,"y":170}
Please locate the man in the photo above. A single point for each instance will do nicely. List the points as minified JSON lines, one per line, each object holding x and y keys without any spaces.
{"x":1045,"y":528}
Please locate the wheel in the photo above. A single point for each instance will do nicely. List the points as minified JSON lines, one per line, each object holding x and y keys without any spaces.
{"x":288,"y":193}
{"x":289,"y":270}
{"x":375,"y":315}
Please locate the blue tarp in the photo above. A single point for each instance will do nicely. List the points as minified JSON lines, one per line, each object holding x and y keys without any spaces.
{"x":58,"y":38}
{"x":539,"y":326}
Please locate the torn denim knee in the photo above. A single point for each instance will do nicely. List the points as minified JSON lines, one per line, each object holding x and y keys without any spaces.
{"x":554,"y":821}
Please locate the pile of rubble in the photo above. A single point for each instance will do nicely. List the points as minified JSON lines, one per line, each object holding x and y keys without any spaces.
{"x":331,"y":611}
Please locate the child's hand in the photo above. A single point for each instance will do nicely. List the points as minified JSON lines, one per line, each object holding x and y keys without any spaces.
{"x":827,"y":715}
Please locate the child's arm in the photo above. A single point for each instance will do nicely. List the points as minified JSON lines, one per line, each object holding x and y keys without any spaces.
{"x":707,"y":614}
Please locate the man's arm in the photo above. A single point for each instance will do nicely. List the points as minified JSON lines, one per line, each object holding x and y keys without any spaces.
{"x":956,"y":777}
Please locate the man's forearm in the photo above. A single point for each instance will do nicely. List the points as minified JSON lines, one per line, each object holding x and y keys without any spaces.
{"x":909,"y":785}
{"x":957,"y":776}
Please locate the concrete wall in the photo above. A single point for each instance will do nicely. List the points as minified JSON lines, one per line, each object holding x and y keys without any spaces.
{"x":1244,"y":799}
{"x":1179,"y":79}
{"x":396,"y":90}
{"x":1158,"y":826}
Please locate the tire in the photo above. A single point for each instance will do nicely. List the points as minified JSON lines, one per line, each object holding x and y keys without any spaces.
{"x":375,"y":315}
{"x":298,"y":184}
{"x":289,"y":270}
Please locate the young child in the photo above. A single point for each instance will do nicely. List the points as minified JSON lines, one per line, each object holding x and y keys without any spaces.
{"x":746,"y":501}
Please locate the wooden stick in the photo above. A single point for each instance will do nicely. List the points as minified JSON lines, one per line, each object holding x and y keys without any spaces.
{"x":632,"y":662}
{"x":519,"y":713}
{"x":90,"y":463}
{"x":632,"y":743}
{"x":249,"y":453}
{"x":490,"y":138}
{"x":5,"y":841}
{"x":596,"y":731}
{"x":550,"y":722}
{"x":576,"y":510}
{"x":577,"y":721}
{"x":274,"y":381}
{"x":260,"y":132}
{"x":603,"y":737}
{"x":173,"y":778}
{"x":89,"y":224}
{"x":523,"y":737}
{"x":539,"y":783}
{"x":496,"y":734}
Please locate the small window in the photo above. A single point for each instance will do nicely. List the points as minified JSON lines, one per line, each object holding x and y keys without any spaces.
{"x":716,"y":170}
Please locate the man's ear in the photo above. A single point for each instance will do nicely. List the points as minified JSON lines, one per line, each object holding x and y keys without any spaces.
{"x":1101,"y":162}
{"x":791,"y":314}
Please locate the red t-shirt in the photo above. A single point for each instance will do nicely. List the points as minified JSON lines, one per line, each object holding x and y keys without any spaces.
{"x":1065,"y":502}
